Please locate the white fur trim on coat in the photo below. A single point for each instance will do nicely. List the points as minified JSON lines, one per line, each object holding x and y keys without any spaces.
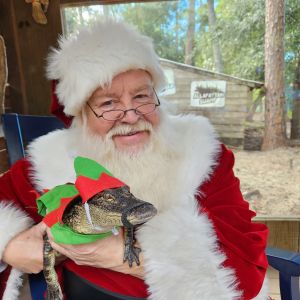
{"x":12,"y":222}
{"x":182,"y":260}
{"x":13,"y":285}
{"x":93,"y":57}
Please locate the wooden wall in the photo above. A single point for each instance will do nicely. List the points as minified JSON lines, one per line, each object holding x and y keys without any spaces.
{"x":3,"y":156}
{"x":229,"y":120}
{"x":27,"y":45}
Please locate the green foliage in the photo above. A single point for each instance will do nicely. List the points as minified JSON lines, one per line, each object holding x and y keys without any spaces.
{"x":156,"y":20}
{"x":292,"y":40}
{"x":75,"y":17}
{"x":241,"y":28}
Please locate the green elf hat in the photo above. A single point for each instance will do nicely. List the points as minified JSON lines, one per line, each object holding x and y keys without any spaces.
{"x":92,"y":178}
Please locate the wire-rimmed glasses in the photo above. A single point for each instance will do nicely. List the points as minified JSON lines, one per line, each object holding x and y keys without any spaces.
{"x":117,"y":114}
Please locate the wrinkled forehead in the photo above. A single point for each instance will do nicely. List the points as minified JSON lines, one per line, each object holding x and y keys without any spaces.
{"x":131,"y":81}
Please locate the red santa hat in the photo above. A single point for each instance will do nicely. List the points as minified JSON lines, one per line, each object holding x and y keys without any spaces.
{"x":94,"y":56}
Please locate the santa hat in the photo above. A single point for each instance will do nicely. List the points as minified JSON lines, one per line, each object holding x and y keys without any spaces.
{"x":94,"y":56}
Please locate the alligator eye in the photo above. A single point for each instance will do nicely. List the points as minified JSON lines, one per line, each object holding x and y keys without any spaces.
{"x":109,"y":197}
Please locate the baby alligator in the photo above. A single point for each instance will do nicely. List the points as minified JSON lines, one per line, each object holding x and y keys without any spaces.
{"x":107,"y":209}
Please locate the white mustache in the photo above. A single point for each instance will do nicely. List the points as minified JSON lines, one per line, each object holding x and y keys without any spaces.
{"x":124,"y":129}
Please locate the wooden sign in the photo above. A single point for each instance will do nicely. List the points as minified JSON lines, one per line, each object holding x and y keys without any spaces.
{"x":208,"y":93}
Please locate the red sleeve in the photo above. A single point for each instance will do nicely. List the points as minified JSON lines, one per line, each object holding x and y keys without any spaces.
{"x":15,"y":186}
{"x":242,"y":241}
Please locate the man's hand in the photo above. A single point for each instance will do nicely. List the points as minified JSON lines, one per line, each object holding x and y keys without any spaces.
{"x":105,"y":253}
{"x":25,"y":251}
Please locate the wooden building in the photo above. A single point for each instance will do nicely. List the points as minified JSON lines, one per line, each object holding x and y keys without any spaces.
{"x":224,"y":99}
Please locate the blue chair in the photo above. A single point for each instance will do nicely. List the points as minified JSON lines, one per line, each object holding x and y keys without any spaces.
{"x":288,"y":265}
{"x":19,"y":130}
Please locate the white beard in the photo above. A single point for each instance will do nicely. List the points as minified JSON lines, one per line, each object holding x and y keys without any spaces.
{"x":147,"y":172}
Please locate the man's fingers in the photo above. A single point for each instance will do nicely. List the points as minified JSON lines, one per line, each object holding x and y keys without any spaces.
{"x":41,"y":227}
{"x":49,"y":233}
{"x":58,"y":248}
{"x":61,"y":250}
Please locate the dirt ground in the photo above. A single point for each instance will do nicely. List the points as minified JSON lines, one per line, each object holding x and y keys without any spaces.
{"x":270,"y":180}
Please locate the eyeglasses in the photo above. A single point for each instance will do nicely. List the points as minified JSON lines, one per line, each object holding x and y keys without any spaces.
{"x":117,"y":114}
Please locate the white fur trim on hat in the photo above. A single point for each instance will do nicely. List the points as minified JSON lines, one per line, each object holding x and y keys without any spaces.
{"x":95,"y":56}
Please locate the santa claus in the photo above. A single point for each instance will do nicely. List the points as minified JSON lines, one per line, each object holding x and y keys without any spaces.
{"x":201,"y":244}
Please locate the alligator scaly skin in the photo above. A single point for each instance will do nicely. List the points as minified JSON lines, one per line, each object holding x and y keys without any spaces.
{"x":110,"y":208}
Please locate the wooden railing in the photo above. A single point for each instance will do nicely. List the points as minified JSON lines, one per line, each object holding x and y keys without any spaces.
{"x":284,"y":231}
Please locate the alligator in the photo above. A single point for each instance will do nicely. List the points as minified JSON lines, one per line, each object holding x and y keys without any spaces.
{"x":107,"y":210}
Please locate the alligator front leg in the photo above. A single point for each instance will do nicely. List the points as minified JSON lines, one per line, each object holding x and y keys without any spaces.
{"x":53,"y":287}
{"x":131,"y":253}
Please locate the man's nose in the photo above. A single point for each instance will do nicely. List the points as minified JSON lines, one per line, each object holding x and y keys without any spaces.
{"x":130,"y":117}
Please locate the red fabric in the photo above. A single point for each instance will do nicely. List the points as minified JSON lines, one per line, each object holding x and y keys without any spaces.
{"x":57,"y":109}
{"x":88,"y":187}
{"x":3,"y":279}
{"x":241,"y":240}
{"x":15,"y":186}
{"x":56,"y":215}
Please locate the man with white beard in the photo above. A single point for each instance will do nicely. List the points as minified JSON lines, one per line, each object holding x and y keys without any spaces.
{"x":201,"y":245}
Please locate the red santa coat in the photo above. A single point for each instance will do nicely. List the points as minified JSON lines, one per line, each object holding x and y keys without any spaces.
{"x":242,"y":241}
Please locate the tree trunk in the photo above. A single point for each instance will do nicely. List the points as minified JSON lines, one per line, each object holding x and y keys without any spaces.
{"x":257,"y":102}
{"x":275,"y":135}
{"x":295,"y":123}
{"x":188,"y":59}
{"x":214,"y":37}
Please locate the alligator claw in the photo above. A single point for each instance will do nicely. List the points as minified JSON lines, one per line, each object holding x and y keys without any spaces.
{"x":131,"y":254}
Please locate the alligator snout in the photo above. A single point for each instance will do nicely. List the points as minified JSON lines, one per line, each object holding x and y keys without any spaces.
{"x":140,"y":214}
